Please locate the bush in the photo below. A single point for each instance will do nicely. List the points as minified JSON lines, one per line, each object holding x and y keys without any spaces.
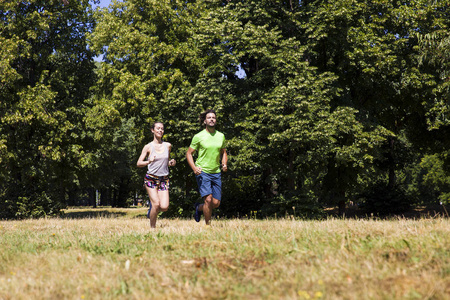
{"x":384,"y":200}
{"x":31,"y":206}
{"x":303,"y":205}
{"x":240,"y":196}
{"x":181,"y":203}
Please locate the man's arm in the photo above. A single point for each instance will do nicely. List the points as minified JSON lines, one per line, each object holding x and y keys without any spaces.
{"x":223,"y":153}
{"x":190,"y":160}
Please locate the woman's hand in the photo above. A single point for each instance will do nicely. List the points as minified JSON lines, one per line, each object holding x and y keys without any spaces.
{"x":172,"y":162}
{"x":151,"y":159}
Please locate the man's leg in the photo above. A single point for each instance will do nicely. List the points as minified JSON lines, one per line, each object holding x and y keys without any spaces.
{"x":209,"y":183}
{"x":207,"y":207}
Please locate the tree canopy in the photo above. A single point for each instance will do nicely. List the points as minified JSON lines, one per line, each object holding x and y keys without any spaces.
{"x":321,"y":102}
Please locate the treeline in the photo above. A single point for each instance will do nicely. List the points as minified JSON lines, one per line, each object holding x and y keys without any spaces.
{"x":321,"y":102}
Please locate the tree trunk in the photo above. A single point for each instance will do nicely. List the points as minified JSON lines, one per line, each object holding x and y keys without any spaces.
{"x":267,"y":183}
{"x":291,"y":173}
{"x":341,"y":205}
{"x":114,"y":194}
{"x":391,"y":164}
{"x":105,"y":196}
{"x":92,"y":199}
{"x":72,"y":194}
{"x":123,"y":193}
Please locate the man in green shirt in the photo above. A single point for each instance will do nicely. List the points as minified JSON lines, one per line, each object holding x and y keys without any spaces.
{"x":210,"y":144}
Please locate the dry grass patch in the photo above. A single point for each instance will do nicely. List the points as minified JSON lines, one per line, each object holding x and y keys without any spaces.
{"x":118,"y":256}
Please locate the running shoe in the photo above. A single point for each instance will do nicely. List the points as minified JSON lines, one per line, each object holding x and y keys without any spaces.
{"x":149,"y":210}
{"x":197,"y":213}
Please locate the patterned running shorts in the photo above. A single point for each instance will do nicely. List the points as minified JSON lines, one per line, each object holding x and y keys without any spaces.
{"x":156,"y":182}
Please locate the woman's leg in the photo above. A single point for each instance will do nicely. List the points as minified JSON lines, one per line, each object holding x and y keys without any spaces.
{"x":163,"y":200}
{"x":154,"y":199}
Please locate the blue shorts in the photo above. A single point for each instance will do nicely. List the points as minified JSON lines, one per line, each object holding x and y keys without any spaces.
{"x":210,"y":184}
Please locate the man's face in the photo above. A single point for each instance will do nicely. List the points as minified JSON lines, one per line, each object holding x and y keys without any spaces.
{"x":210,"y":120}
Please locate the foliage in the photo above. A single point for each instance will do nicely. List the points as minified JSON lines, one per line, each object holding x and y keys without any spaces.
{"x":46,"y":74}
{"x":243,"y":195}
{"x":145,"y":77}
{"x":317,"y":99}
{"x":429,"y":181}
{"x":382,"y":199}
{"x":371,"y":47}
{"x":295,"y":205}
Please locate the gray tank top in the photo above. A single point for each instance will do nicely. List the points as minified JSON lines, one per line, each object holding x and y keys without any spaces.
{"x":160,"y":166}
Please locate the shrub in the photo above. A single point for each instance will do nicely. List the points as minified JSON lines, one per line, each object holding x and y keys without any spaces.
{"x":384,"y":200}
{"x":298,"y":204}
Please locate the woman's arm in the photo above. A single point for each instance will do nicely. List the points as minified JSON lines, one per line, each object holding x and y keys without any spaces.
{"x":172,"y":162}
{"x":146,"y":152}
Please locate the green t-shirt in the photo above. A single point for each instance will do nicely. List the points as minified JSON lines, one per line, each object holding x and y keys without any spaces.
{"x":208,"y":146}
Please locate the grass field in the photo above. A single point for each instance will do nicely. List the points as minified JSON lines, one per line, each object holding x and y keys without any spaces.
{"x":115,"y":255}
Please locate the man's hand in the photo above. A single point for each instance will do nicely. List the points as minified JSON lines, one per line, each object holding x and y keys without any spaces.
{"x":198,"y":170}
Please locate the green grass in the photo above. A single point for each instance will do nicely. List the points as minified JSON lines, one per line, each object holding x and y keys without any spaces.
{"x":115,"y":255}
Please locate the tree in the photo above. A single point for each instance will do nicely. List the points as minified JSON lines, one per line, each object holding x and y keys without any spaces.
{"x":149,"y":66}
{"x":46,"y":74}
{"x":332,"y":90}
{"x":283,"y":108}
{"x":372,"y":47}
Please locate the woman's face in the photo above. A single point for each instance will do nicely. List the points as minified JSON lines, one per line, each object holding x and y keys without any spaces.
{"x":210,"y":120}
{"x":158,"y":130}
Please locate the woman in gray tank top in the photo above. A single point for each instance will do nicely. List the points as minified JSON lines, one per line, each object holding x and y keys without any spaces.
{"x":155,"y":156}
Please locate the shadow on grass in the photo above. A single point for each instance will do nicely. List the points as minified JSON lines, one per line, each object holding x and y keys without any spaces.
{"x":91,"y":214}
{"x":419,"y":212}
